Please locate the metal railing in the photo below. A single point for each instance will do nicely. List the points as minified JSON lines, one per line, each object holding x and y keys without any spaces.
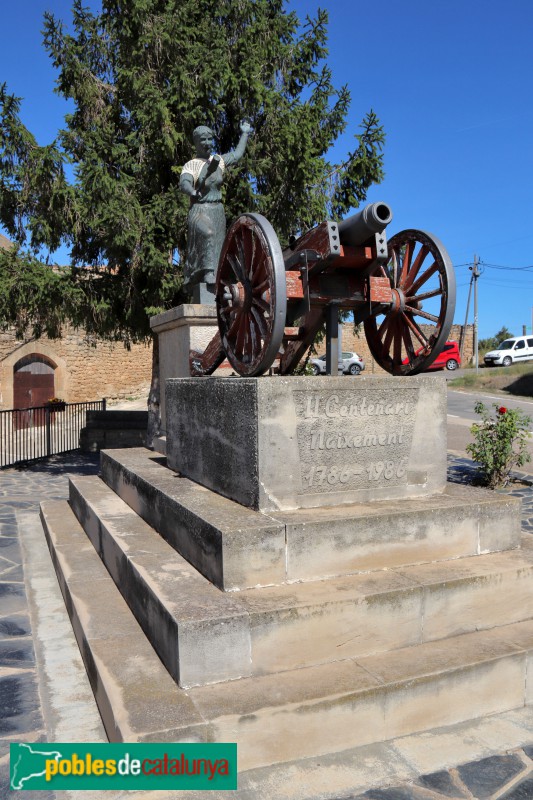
{"x":27,"y":434}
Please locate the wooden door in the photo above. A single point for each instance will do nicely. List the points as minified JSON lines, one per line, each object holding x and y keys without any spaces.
{"x":33,"y":385}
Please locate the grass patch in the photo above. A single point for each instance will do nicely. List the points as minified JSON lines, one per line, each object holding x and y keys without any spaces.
{"x":515,"y":380}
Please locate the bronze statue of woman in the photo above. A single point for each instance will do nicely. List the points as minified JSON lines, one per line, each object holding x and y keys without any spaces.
{"x":202,"y":178}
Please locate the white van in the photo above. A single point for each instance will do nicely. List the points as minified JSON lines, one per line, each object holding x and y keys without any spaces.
{"x":511,"y":351}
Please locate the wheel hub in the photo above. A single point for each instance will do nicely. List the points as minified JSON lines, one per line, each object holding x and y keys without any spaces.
{"x":241,"y":297}
{"x":398,"y":301}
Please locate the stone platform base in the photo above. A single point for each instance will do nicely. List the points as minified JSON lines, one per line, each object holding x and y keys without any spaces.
{"x":283,"y":443}
{"x":296,"y":669}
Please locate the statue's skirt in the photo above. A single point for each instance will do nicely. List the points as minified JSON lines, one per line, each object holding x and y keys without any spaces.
{"x":206,"y":232}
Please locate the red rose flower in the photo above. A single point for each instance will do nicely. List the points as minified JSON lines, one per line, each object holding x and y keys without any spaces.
{"x":502,"y":410}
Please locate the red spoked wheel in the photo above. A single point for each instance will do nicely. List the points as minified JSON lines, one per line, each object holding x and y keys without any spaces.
{"x":406,"y":336}
{"x":251,"y":295}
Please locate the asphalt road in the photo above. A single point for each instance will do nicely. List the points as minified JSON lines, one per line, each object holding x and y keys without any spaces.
{"x":461,"y":415}
{"x":461,"y":404}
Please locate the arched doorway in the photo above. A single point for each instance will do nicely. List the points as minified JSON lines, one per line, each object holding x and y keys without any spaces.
{"x":33,"y":385}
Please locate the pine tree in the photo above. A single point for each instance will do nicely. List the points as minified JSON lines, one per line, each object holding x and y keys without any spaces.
{"x":142,"y":75}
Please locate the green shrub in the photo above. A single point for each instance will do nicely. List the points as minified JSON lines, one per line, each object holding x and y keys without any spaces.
{"x":499,"y":443}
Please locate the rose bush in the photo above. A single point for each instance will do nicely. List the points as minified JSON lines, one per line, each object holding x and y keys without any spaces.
{"x":500,"y":443}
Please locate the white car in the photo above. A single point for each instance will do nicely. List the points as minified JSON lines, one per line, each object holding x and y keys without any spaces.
{"x":351,"y":364}
{"x":510,"y":351}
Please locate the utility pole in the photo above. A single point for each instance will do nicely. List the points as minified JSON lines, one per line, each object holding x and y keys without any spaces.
{"x":463,"y":332}
{"x":475,"y":275}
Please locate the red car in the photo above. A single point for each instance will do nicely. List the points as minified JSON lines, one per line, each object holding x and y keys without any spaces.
{"x":449,"y":358}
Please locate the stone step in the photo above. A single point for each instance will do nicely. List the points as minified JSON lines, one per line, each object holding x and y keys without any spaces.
{"x":137,"y":699}
{"x":291,"y":715}
{"x":204,"y":635}
{"x":297,"y":625}
{"x":230,"y":545}
{"x":329,"y":708}
{"x":237,"y":548}
{"x":201,"y":634}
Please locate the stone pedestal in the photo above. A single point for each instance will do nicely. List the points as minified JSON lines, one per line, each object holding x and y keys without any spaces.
{"x":276,"y":443}
{"x":179,"y":330}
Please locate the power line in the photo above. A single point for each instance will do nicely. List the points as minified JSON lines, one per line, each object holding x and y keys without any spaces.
{"x":501,"y":266}
{"x":495,"y":266}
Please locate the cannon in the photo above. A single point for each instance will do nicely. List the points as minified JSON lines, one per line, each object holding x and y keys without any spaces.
{"x":272,"y":301}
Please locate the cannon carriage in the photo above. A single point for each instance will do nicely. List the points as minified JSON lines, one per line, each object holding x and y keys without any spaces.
{"x":272,"y":301}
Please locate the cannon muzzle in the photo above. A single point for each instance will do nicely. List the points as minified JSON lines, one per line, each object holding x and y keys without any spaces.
{"x":356,"y":229}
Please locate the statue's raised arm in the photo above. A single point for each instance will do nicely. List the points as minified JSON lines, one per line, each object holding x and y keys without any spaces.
{"x":201,"y":179}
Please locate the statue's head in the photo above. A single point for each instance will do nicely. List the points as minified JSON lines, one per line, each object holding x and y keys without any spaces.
{"x":204,"y":141}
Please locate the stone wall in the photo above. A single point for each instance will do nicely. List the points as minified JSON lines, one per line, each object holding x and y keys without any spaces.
{"x":83,"y":370}
{"x":358,"y":344}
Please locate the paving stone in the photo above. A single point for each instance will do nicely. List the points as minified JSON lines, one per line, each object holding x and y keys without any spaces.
{"x":7,"y":794}
{"x":523,"y":791}
{"x":10,"y":549}
{"x":7,"y":563}
{"x":443,"y":783}
{"x":16,"y":625}
{"x":12,"y":572}
{"x":8,"y":528}
{"x":16,"y":652}
{"x":483,"y":778}
{"x":12,"y":597}
{"x":19,"y":704}
{"x":395,"y":793}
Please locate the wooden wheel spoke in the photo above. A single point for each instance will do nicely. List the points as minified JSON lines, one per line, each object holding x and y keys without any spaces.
{"x":241,"y":247}
{"x":254,"y":341}
{"x":248,"y":248}
{"x":417,"y":263}
{"x":397,"y":343}
{"x":250,"y":340}
{"x":394,"y":269}
{"x":390,"y":270}
{"x":233,"y":328}
{"x":263,"y":304}
{"x":408,"y":342}
{"x":422,"y":279}
{"x":419,"y":313}
{"x":236,"y":266}
{"x":416,"y":330}
{"x":241,"y":335}
{"x":256,"y":332}
{"x":406,"y":263}
{"x":261,"y":272}
{"x":260,"y":287}
{"x":417,"y":298}
{"x":259,"y":266}
{"x":384,"y":326}
{"x":390,"y":335}
{"x":260,"y":321}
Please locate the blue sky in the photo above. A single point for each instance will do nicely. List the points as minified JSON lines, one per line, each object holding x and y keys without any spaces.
{"x":451,"y":81}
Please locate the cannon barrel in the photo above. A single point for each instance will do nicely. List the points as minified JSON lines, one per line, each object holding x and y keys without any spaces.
{"x":356,"y":229}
